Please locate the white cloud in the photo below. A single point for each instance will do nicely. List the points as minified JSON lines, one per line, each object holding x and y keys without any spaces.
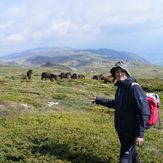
{"x":60,"y":28}
{"x":5,"y":25}
{"x":88,"y":22}
{"x":15,"y":38}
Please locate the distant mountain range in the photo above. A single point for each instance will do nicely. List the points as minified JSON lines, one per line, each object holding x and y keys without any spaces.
{"x":70,"y":57}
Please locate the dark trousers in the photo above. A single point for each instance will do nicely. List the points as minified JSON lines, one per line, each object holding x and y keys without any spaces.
{"x":128,"y":152}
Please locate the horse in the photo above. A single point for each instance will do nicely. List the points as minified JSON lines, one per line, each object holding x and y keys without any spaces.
{"x":74,"y":76}
{"x":109,"y":79}
{"x":29,"y":74}
{"x":81,"y":76}
{"x":64,"y":75}
{"x":50,"y":76}
{"x":98,"y":77}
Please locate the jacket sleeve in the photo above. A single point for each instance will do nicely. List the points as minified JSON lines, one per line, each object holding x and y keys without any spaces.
{"x":142,"y":107}
{"x":105,"y":102}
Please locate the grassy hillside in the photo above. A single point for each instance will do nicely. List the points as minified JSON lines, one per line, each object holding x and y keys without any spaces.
{"x":70,"y":129}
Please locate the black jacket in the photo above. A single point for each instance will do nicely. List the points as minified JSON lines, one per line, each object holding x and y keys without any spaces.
{"x":131,"y":108}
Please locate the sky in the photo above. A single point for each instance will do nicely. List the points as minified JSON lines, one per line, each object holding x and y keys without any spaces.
{"x":126,"y":25}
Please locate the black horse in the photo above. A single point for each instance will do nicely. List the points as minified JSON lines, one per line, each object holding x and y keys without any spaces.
{"x":29,"y":74}
{"x":50,"y":76}
{"x":74,"y":76}
{"x":64,"y":75}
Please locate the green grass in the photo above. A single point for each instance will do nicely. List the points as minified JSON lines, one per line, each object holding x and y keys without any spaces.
{"x":72,"y":131}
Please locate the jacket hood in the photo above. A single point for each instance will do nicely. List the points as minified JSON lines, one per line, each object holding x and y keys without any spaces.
{"x":119,"y":64}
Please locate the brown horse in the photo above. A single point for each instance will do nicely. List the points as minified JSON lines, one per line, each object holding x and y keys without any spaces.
{"x":109,"y":79}
{"x":81,"y":76}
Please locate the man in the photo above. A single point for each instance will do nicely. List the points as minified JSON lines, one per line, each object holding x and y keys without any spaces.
{"x":131,"y":112}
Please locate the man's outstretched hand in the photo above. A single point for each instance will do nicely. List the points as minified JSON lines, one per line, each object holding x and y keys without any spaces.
{"x":93,"y":99}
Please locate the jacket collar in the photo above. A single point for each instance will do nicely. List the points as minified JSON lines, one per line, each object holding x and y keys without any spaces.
{"x":125,"y":83}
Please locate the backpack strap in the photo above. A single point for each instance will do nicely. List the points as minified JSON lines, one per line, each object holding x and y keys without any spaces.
{"x":131,"y":91}
{"x":134,"y":83}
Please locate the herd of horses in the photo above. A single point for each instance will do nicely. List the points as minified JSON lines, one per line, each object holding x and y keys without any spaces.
{"x":69,"y":75}
{"x":46,"y":75}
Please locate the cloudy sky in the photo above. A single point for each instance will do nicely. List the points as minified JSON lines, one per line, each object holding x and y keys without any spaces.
{"x":126,"y":25}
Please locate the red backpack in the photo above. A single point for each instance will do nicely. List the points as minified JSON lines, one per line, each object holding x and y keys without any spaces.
{"x":154,"y":103}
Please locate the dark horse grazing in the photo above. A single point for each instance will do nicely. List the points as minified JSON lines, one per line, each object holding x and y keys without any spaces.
{"x":50,"y":76}
{"x":74,"y":76}
{"x":64,"y":75}
{"x":29,"y":74}
{"x":98,"y":77}
{"x":81,"y":76}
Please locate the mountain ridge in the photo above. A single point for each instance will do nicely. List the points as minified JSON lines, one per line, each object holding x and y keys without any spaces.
{"x":71,"y":57}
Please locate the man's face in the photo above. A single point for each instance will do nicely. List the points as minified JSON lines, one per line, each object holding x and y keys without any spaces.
{"x":120,"y":74}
